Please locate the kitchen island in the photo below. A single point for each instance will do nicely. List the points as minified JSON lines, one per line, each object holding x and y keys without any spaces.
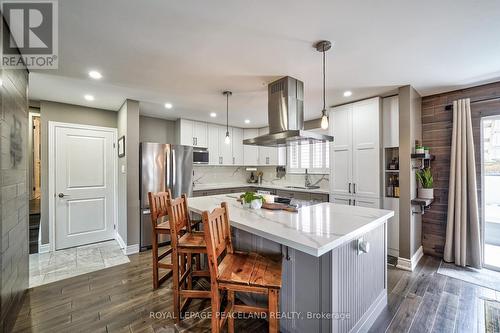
{"x":334,"y":266}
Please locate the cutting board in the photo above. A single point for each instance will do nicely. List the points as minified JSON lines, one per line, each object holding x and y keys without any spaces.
{"x":279,"y":206}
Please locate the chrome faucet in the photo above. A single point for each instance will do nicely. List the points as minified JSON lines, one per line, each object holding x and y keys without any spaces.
{"x":307,"y":180}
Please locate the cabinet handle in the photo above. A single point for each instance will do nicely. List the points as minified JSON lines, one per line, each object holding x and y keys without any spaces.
{"x":267,"y":160}
{"x":354,"y":188}
{"x":354,"y":202}
{"x":222,"y":160}
{"x":349,"y":202}
{"x":234,"y":160}
{"x":349,"y":187}
{"x":194,"y":142}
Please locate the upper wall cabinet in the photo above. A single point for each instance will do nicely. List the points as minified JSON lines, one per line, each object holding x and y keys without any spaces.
{"x":271,"y":155}
{"x":219,"y":153}
{"x":356,"y":150}
{"x":390,"y":122}
{"x":237,"y":141}
{"x":250,"y":153}
{"x":192,"y":133}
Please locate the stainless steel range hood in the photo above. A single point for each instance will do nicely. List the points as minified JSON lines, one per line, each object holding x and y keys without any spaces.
{"x":286,"y":116}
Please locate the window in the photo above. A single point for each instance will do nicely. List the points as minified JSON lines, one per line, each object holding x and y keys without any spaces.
{"x":313,"y":157}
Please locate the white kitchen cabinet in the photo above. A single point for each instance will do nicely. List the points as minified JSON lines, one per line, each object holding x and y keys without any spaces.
{"x":341,"y":199}
{"x":271,"y":155}
{"x":225,"y":149}
{"x":366,"y":159}
{"x":237,"y":141}
{"x":390,"y":122}
{"x":200,"y":134}
{"x":366,"y":202}
{"x":219,"y":153}
{"x":267,"y":155}
{"x":355,"y":151}
{"x":192,"y":133}
{"x":341,"y":150}
{"x":213,"y":145}
{"x":250,"y":153}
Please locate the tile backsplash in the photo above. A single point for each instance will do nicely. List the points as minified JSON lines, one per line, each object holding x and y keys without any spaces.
{"x":238,"y":175}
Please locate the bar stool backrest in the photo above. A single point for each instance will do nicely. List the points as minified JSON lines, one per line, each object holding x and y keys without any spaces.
{"x":158,"y":205}
{"x":217,"y":236}
{"x":179,"y":218}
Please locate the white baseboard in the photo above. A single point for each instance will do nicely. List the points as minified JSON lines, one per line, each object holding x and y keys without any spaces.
{"x":43,"y":248}
{"x":120,"y":241}
{"x":409,"y":265}
{"x":131,"y":249}
{"x":127,"y":249}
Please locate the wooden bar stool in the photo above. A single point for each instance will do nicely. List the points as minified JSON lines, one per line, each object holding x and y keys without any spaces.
{"x":238,"y":272}
{"x":158,"y":208}
{"x":186,"y":243}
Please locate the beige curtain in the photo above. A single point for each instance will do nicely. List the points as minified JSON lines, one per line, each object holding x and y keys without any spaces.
{"x":463,"y":240}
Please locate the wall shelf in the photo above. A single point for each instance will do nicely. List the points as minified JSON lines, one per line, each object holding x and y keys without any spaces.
{"x":423,"y":156}
{"x":422,"y":203}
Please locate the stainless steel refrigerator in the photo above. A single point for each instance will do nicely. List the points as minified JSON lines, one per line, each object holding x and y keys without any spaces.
{"x":162,"y":166}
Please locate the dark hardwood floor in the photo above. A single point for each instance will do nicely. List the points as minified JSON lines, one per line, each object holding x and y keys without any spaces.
{"x":121,"y":298}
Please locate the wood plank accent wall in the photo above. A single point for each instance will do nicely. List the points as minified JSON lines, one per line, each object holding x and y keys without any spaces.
{"x":437,"y":125}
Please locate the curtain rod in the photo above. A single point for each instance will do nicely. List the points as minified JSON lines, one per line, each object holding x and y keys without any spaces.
{"x":450,"y":106}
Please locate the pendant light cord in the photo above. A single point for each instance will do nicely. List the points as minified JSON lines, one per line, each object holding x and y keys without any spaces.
{"x":324,"y":78}
{"x":227,"y":113}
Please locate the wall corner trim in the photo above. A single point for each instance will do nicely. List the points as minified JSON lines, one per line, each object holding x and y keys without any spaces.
{"x":409,"y":265}
{"x":120,"y":241}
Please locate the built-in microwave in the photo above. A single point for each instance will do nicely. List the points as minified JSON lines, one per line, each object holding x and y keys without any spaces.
{"x":200,"y":156}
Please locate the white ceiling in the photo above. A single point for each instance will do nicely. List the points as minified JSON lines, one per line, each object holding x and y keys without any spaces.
{"x":187,"y":52}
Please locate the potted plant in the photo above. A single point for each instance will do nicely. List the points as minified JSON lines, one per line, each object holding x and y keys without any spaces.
{"x":426,"y":183}
{"x":252,"y":200}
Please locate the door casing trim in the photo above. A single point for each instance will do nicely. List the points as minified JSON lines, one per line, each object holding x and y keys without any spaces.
{"x":51,"y":174}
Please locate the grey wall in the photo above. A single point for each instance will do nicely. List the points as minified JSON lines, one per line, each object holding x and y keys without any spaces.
{"x":128,"y":180}
{"x":410,"y":129}
{"x":122,"y":176}
{"x":13,"y":193}
{"x":156,"y":130}
{"x":65,"y":113}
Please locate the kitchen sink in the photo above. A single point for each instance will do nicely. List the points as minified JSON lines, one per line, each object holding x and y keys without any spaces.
{"x":304,"y":187}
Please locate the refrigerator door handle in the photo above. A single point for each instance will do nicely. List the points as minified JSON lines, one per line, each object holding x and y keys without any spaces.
{"x":174,"y":169}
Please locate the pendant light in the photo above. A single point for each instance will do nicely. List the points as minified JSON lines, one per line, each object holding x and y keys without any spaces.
{"x":227,"y":93}
{"x":324,"y":46}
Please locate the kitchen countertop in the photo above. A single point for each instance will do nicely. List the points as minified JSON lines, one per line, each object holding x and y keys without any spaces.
{"x":315,"y":229}
{"x":207,"y":187}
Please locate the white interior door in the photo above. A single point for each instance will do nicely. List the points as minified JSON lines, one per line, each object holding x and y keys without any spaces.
{"x":84,"y":171}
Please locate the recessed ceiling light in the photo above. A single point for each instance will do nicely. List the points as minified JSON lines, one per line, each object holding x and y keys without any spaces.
{"x":347,"y":93}
{"x":213,"y":114}
{"x":95,"y":75}
{"x":247,"y":121}
{"x":89,"y":97}
{"x":168,"y":105}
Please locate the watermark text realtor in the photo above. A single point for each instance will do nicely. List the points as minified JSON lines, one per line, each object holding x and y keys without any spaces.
{"x":30,"y":34}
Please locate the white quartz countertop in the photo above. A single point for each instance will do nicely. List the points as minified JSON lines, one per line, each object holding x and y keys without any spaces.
{"x":315,"y":229}
{"x":207,"y":187}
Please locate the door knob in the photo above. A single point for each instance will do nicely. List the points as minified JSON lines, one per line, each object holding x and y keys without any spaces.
{"x":61,"y":195}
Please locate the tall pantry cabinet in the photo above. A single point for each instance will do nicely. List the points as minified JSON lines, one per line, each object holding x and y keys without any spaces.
{"x":355,"y":177}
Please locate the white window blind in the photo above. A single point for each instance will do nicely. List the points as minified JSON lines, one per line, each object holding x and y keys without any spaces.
{"x":313,"y":157}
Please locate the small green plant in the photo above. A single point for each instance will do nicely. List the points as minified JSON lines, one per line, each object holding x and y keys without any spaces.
{"x":248,"y":197}
{"x":424,"y":177}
